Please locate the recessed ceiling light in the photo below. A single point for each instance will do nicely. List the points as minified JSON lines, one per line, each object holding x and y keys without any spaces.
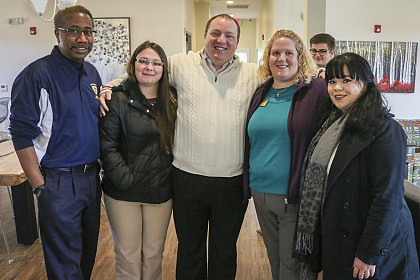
{"x":229,"y":2}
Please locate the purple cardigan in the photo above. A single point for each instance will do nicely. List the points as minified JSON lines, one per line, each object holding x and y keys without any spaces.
{"x":305,"y":109}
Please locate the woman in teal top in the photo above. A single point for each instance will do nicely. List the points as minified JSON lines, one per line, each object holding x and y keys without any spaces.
{"x":270,"y":142}
{"x":279,"y":130}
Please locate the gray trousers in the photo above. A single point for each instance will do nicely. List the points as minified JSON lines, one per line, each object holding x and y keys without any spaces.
{"x":278,"y":229}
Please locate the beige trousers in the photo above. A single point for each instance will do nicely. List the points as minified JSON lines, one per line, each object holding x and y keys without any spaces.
{"x":139,"y":233}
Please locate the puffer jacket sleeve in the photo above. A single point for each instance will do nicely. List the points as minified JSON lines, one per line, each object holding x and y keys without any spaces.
{"x":110,"y":128}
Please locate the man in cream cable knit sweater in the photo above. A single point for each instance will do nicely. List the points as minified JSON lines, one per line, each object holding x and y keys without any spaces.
{"x":214,"y":91}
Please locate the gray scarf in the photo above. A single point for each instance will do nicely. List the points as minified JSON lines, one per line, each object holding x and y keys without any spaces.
{"x":313,"y":188}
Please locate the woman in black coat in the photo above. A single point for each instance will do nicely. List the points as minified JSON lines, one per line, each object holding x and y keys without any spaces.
{"x":353,"y":221}
{"x":136,"y":143}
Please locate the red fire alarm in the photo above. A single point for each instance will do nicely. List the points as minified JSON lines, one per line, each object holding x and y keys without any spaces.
{"x":377,"y":28}
{"x":32,"y":30}
{"x":262,"y":37}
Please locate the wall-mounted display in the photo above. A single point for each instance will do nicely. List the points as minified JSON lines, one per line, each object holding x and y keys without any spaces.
{"x":111,"y":50}
{"x":393,"y":63}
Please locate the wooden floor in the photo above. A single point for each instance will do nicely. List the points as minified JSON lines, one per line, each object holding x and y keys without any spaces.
{"x":29,"y":263}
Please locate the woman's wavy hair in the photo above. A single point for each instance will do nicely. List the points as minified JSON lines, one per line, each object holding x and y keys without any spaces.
{"x":307,"y":68}
{"x":370,"y":108}
{"x":166,"y":103}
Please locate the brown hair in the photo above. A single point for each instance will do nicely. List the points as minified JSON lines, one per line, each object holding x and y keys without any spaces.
{"x":225,"y":16}
{"x":166,"y":103}
{"x":307,"y":68}
{"x":61,"y":14}
{"x":323,"y":38}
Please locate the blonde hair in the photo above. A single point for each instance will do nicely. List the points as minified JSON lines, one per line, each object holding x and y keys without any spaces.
{"x":307,"y":69}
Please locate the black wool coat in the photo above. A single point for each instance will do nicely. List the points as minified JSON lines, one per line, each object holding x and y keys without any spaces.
{"x":364,"y":212}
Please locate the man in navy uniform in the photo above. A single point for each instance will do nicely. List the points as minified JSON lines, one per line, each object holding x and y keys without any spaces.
{"x":54,"y":128}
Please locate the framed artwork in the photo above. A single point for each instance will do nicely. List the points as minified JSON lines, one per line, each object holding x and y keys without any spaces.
{"x":393,"y":63}
{"x":111,"y":49}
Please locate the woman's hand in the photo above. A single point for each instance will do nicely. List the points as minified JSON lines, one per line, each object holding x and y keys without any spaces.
{"x":362,"y":270}
{"x":105,"y":95}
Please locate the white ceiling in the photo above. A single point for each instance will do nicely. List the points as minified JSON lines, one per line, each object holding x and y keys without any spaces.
{"x":220,"y":7}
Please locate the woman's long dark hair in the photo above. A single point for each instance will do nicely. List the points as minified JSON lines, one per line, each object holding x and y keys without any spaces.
{"x":166,"y":103}
{"x":370,"y":108}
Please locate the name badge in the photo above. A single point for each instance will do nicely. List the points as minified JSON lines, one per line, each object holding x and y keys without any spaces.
{"x":264,"y":103}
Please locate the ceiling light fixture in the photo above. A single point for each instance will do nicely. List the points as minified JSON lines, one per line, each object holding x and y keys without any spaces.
{"x":40,"y":5}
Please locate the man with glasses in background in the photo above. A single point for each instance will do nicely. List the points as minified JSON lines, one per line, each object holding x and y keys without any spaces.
{"x":322,"y":51}
{"x":54,"y":127}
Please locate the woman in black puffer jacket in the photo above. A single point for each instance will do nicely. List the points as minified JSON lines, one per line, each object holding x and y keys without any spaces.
{"x":136,"y":143}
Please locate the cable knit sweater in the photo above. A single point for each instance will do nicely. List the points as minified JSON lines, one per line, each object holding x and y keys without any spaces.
{"x":210,"y":126}
{"x":211,"y":116}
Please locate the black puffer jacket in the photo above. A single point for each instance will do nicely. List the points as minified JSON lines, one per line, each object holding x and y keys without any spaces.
{"x":135,"y":166}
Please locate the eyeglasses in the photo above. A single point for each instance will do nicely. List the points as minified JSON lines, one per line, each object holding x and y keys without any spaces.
{"x":73,"y":32}
{"x":320,"y":52}
{"x":146,"y":62}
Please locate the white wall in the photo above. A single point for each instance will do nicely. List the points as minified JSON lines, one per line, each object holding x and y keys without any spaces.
{"x":17,"y":46}
{"x":202,"y":15}
{"x":161,"y":22}
{"x":280,"y":14}
{"x":400,"y":22}
{"x":247,"y":38}
{"x":315,"y":18}
{"x":287,"y":15}
{"x":189,"y":21}
{"x":164,"y":23}
{"x":265,"y":26}
{"x":149,"y":20}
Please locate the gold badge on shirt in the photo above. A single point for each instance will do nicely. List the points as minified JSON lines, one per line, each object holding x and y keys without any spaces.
{"x":95,"y":90}
{"x":264,"y":103}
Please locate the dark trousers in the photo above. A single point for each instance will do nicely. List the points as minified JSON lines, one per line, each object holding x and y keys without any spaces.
{"x":69,"y":213}
{"x":203,"y":203}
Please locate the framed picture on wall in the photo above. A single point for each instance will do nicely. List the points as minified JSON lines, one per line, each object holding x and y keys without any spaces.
{"x":111,"y":49}
{"x":393,"y":63}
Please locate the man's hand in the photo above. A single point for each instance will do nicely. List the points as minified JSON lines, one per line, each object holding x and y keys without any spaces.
{"x":105,"y":95}
{"x":29,"y":162}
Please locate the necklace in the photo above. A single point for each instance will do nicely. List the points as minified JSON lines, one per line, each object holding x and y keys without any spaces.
{"x":280,"y":91}
{"x":152,"y":101}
